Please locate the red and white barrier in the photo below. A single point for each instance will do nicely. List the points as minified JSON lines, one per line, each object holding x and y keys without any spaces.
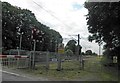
{"x":12,"y":56}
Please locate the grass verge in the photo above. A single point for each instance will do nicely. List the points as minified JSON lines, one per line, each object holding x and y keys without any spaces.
{"x":93,"y":71}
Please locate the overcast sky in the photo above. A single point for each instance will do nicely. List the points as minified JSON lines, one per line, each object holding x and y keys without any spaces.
{"x":65,"y":16}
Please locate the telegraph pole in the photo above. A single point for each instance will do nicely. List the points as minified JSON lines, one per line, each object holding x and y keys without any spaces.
{"x":78,"y":39}
{"x":78,"y":48}
{"x":79,"y":53}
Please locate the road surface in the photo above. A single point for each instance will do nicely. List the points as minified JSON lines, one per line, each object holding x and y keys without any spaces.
{"x":15,"y":77}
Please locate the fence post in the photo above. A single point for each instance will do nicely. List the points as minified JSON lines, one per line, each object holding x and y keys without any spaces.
{"x":47,"y":60}
{"x":59,"y":62}
{"x":83,"y":61}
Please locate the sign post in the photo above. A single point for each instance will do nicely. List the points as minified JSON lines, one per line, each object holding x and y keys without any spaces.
{"x":47,"y":60}
{"x":60,"y":51}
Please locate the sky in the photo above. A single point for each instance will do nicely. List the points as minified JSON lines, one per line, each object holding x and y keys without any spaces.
{"x":65,"y":16}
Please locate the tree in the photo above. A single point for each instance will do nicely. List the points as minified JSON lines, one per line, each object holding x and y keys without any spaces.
{"x":94,"y":54}
{"x":71,"y":45}
{"x":69,"y":52}
{"x":103,"y":24}
{"x":82,"y":53}
{"x":17,"y":21}
{"x":88,"y":52}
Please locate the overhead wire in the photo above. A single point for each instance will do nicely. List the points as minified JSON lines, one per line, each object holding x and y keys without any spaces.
{"x":51,"y":14}
{"x":54,"y":17}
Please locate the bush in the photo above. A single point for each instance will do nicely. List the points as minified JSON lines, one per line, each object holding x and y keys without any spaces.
{"x":69,"y":52}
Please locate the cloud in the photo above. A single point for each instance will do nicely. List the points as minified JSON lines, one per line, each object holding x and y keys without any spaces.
{"x":65,"y":16}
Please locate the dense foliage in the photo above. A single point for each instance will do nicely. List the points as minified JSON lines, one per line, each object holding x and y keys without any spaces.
{"x":17,"y":21}
{"x":71,"y":45}
{"x":104,"y":25}
{"x":89,"y":52}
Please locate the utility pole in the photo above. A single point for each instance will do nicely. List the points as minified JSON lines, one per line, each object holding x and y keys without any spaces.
{"x":78,"y":39}
{"x":78,"y":48}
{"x":79,"y":54}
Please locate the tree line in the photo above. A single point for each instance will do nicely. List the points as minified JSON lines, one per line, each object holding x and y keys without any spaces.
{"x":104,"y":26}
{"x":17,"y":22}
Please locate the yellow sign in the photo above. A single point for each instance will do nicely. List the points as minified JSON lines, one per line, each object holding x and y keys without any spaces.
{"x":61,"y":48}
{"x":61,"y":51}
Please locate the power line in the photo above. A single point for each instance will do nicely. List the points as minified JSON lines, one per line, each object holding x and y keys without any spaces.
{"x":58,"y":20}
{"x":51,"y":14}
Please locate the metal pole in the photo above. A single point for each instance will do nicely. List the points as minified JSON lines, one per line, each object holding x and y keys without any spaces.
{"x":18,"y":58}
{"x":47,"y":60}
{"x":18,"y":51}
{"x":78,"y":39}
{"x":78,"y":47}
{"x":34,"y":54}
{"x":20,"y":40}
{"x":59,"y":62}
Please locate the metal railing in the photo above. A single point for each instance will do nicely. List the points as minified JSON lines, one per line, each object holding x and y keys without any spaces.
{"x":14,"y":61}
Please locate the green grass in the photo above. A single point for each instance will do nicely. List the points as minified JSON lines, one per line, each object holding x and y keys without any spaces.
{"x":71,"y":71}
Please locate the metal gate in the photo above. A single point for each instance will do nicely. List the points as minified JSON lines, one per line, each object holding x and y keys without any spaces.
{"x":14,"y":61}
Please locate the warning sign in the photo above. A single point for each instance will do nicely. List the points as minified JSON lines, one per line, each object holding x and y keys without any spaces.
{"x":61,"y":51}
{"x":61,"y":48}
